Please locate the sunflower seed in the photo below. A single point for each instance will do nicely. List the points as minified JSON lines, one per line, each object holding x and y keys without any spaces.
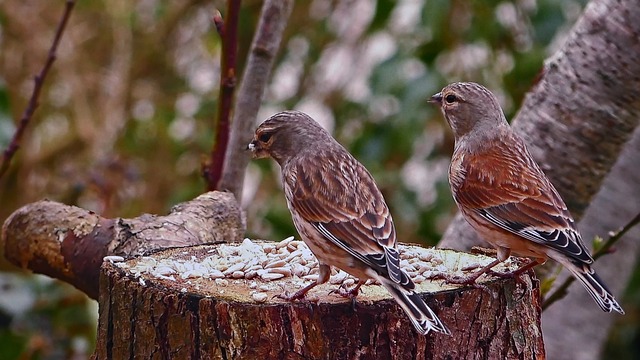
{"x":279,"y":263}
{"x":284,"y":243}
{"x":271,"y":276}
{"x":233,"y":268}
{"x":280,"y":270}
{"x":259,"y":297}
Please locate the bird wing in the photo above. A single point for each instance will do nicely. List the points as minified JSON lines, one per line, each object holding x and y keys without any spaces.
{"x":505,"y":186}
{"x":337,"y":195}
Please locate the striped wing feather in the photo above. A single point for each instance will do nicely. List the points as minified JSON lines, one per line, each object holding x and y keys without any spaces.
{"x":335,"y":193}
{"x":504,"y":185}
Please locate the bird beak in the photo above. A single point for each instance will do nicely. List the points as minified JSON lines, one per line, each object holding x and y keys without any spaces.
{"x":257,"y":152}
{"x":436,"y":99}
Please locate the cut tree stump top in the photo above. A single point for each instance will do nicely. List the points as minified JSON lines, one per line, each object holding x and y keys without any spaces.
{"x":234,"y":272}
{"x":220,"y":302}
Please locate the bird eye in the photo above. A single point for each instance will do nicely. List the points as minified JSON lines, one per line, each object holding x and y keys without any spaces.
{"x":450,"y":99}
{"x":264,"y":137}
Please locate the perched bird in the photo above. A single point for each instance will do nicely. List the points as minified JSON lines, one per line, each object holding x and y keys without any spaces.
{"x":338,"y":211}
{"x":502,"y":192}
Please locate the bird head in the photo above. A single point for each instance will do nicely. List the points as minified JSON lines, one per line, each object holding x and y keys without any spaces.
{"x":469,"y":107}
{"x":285,"y":135}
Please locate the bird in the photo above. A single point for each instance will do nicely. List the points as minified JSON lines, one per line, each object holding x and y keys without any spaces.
{"x":505,"y":196}
{"x":338,"y":211}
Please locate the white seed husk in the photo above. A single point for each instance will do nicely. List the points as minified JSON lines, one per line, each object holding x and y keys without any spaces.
{"x":259,"y":297}
{"x":271,"y":276}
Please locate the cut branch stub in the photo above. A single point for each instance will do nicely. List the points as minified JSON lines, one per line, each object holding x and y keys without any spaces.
{"x":69,"y":243}
{"x":170,"y":306}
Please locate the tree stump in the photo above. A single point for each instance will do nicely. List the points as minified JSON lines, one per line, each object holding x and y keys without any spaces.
{"x":219,"y":302}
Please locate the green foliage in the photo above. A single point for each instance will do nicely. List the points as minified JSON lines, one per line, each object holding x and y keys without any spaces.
{"x":12,"y":344}
{"x":624,"y":339}
{"x":597,"y":244}
{"x":6,"y":125}
{"x":383,"y":11}
{"x":43,"y":319}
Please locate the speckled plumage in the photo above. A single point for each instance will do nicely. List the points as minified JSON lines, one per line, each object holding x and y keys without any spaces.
{"x":502,"y":192}
{"x":338,"y":210}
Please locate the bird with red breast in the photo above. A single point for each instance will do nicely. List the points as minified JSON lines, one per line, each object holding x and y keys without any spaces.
{"x":505,"y":196}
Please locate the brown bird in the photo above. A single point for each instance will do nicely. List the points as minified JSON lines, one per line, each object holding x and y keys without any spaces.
{"x":338,"y":211}
{"x":502,"y":192}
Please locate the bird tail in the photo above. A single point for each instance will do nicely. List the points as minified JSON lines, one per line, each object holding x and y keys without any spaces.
{"x":421,"y":316}
{"x":596,"y":287}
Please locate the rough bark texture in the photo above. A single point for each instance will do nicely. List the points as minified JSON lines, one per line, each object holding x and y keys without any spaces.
{"x":148,"y":317}
{"x":273,"y":19}
{"x":69,"y":243}
{"x":577,"y":118}
{"x":610,"y":209}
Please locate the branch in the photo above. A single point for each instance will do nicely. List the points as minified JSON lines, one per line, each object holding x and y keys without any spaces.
{"x":218,"y":21}
{"x":614,"y":237}
{"x":561,"y":291}
{"x":228,"y":31}
{"x":69,"y":243}
{"x":267,"y":39}
{"x":14,"y":145}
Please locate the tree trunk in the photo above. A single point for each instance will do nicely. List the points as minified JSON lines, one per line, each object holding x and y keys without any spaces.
{"x":143,"y":315}
{"x":614,"y":205}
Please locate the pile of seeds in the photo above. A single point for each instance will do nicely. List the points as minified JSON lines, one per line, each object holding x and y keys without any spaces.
{"x":263,"y":262}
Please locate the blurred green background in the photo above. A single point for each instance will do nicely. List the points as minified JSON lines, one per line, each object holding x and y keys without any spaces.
{"x":126,"y":116}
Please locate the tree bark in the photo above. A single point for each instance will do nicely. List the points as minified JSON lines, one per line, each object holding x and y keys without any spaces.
{"x":273,"y":19}
{"x":583,"y":110}
{"x":614,"y":205}
{"x":69,"y":243}
{"x":144,"y":316}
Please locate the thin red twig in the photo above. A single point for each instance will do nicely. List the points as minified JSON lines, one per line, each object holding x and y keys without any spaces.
{"x":14,"y":145}
{"x":219,"y":23}
{"x":229,"y":32}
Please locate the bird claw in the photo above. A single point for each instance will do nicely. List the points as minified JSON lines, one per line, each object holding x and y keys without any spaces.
{"x":298,"y":295}
{"x":346,"y":293}
{"x":470,"y":280}
{"x":515,"y":275}
{"x":456,"y":279}
{"x":502,"y":275}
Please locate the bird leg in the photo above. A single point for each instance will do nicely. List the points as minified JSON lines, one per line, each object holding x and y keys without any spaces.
{"x":323,"y":276}
{"x":350,"y":293}
{"x":469,"y":279}
{"x":516,"y":274}
{"x":298,"y":295}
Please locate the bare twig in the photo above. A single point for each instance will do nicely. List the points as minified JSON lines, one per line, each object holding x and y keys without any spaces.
{"x":266,"y":41}
{"x":14,"y":145}
{"x":229,"y":30}
{"x":561,"y":291}
{"x":615,"y":236}
{"x":219,"y":23}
